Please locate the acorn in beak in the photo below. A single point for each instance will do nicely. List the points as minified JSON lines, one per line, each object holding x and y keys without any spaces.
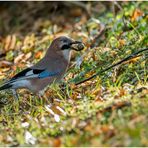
{"x":77,"y":45}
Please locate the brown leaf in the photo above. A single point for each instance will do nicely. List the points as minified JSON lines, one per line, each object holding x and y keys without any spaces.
{"x":137,"y":13}
{"x":4,"y":69}
{"x":7,"y":42}
{"x":1,"y":138}
{"x":133,"y":60}
{"x":105,"y":128}
{"x":4,"y":64}
{"x":13,"y":42}
{"x":88,"y":128}
{"x":122,"y":92}
{"x":97,"y":94}
{"x":76,"y":12}
{"x":27,"y":56}
{"x":122,"y":42}
{"x":57,"y":142}
{"x":10,"y":42}
{"x":18,"y":58}
{"x":75,"y":96}
{"x":38,"y":55}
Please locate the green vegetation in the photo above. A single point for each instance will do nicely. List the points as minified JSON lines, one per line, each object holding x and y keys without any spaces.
{"x":110,"y":110}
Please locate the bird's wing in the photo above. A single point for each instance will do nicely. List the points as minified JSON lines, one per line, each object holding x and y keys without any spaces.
{"x":33,"y":73}
{"x":46,"y":73}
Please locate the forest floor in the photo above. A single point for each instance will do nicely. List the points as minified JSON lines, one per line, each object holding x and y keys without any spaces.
{"x":109,"y":110}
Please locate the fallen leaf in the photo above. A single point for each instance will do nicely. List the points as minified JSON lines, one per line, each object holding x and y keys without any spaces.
{"x":18,"y":58}
{"x":137,"y":13}
{"x":38,"y":55}
{"x":13,"y":42}
{"x":2,"y":76}
{"x":133,"y":60}
{"x":5,"y":64}
{"x":27,"y":56}
{"x":76,"y":12}
{"x":57,"y":142}
{"x":122,"y":42}
{"x":10,"y":42}
{"x":4,"y":69}
{"x":7,"y":42}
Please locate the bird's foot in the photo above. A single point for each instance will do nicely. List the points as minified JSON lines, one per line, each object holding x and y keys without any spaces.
{"x":47,"y":100}
{"x":15,"y":94}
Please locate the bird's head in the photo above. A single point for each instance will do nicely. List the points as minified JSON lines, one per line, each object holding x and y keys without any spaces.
{"x":65,"y":44}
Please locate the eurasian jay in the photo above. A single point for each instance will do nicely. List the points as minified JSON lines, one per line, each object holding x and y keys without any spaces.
{"x":48,"y":70}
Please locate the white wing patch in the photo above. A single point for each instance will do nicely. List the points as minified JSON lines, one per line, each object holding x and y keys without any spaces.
{"x":21,"y":84}
{"x":29,"y":73}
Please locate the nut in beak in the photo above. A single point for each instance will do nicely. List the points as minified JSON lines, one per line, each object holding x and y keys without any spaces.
{"x":77,"y":45}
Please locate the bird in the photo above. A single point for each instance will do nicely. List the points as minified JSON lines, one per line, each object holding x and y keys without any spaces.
{"x":51,"y":68}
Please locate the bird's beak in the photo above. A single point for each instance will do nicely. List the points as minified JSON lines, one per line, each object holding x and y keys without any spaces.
{"x":77,"y":45}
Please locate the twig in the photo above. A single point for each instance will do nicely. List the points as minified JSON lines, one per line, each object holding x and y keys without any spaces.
{"x":116,"y":106}
{"x":96,"y":39}
{"x":133,"y":55}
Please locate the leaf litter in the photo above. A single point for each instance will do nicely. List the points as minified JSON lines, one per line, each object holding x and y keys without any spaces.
{"x":93,"y":113}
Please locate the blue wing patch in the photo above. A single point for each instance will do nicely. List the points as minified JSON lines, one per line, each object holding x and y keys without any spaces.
{"x":46,"y":73}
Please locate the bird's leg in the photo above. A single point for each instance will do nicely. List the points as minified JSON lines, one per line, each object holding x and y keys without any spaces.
{"x":41,"y":96}
{"x":15,"y":94}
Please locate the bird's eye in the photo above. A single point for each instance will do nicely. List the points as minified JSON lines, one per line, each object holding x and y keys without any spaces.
{"x":64,"y":41}
{"x":65,"y":47}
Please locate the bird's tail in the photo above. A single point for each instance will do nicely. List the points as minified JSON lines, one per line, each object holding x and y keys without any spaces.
{"x":5,"y":86}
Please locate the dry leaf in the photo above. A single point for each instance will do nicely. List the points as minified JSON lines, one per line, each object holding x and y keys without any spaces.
{"x":9,"y":42}
{"x":105,"y":128}
{"x":137,"y":13}
{"x":2,"y":76}
{"x":122,"y":42}
{"x":57,"y":142}
{"x":4,"y":69}
{"x":1,"y":138}
{"x":122,"y":92}
{"x":19,"y":58}
{"x":133,"y":60}
{"x":27,"y":56}
{"x":13,"y":42}
{"x":76,"y":12}
{"x":74,"y":95}
{"x":5,"y":64}
{"x":38,"y":55}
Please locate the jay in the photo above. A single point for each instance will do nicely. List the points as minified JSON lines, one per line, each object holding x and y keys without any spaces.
{"x":48,"y":70}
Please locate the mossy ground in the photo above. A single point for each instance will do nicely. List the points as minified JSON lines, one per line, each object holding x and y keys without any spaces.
{"x":110,"y":110}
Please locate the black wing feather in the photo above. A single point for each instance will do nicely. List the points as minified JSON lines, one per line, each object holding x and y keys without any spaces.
{"x":21,"y":74}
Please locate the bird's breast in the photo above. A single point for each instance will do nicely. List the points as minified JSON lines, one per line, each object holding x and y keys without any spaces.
{"x":66,"y":54}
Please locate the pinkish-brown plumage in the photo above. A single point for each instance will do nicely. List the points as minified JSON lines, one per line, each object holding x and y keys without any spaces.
{"x":48,"y":70}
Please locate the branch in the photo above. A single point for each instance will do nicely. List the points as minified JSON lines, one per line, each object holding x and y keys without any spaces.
{"x":131,"y":56}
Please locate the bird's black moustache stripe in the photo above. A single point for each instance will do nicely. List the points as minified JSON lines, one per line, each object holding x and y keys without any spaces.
{"x":65,"y":47}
